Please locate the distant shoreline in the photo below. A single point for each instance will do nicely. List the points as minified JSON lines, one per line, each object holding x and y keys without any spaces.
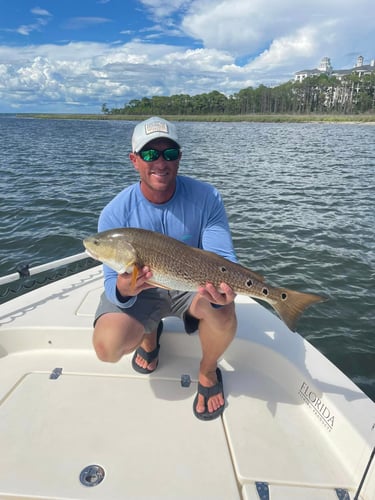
{"x":263,"y":118}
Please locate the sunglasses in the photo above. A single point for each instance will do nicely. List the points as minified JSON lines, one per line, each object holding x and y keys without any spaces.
{"x":170,"y":154}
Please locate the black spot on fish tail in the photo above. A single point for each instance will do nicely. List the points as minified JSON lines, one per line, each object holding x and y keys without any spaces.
{"x":291,"y":304}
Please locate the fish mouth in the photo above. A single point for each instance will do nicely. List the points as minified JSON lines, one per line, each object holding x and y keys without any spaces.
{"x":91,"y":254}
{"x":88,"y":248}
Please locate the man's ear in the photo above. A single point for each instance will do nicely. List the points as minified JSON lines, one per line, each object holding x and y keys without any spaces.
{"x":133,"y":158}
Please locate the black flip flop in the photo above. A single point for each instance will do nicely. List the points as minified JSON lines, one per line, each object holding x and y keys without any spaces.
{"x":208,"y":392}
{"x":148,"y":356}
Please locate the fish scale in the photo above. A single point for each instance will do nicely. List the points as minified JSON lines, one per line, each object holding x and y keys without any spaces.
{"x":178,"y":266}
{"x":182,"y":273}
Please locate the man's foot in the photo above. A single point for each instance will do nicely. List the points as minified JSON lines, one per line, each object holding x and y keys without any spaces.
{"x":146,"y":356}
{"x":209,"y":402}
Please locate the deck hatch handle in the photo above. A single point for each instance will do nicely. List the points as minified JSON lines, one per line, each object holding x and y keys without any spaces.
{"x":263,"y":490}
{"x":56,"y":372}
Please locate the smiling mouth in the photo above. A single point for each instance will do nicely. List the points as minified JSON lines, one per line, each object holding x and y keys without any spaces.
{"x":159,"y":174}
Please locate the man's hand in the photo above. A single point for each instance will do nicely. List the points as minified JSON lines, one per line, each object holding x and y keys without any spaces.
{"x":129,"y":285}
{"x":222,"y":297}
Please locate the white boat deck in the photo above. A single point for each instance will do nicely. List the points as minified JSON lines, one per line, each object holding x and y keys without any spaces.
{"x":295,"y":427}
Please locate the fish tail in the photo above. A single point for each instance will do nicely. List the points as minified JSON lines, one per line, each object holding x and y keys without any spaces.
{"x":291,"y":304}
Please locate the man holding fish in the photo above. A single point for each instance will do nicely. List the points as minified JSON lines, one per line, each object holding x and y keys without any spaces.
{"x":131,"y":308}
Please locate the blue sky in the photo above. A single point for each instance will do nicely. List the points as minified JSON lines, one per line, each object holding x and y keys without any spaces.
{"x":73,"y":56}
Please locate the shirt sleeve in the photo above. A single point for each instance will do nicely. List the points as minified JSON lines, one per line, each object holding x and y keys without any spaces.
{"x":110,"y":219}
{"x":216,"y":236}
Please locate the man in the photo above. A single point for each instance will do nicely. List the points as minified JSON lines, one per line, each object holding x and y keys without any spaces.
{"x":128,"y":317}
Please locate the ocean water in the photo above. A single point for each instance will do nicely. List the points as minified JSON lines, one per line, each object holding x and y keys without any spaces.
{"x":299,"y":197}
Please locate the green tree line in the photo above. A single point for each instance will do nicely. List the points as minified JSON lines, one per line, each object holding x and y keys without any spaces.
{"x":317,"y":94}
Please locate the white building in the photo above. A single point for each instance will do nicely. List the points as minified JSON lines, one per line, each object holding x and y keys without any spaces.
{"x":325,"y":68}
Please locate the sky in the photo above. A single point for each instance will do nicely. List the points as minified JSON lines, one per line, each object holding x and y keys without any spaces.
{"x":73,"y":56}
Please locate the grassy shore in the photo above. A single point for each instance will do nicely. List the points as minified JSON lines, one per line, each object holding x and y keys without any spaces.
{"x":271,"y":118}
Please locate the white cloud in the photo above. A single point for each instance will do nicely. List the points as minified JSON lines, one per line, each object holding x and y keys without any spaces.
{"x":37,"y":25}
{"x":245,"y":28}
{"x":284,"y":29}
{"x":112,"y":74}
{"x":40,"y":12}
{"x":296,"y":46}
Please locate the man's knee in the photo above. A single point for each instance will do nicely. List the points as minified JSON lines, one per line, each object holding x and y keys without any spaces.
{"x":113,"y":338}
{"x":106,"y":352}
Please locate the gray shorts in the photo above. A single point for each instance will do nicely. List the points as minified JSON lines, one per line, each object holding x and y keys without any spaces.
{"x":152,"y":305}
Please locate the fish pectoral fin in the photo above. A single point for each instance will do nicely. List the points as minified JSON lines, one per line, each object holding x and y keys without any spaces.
{"x":133,"y":282}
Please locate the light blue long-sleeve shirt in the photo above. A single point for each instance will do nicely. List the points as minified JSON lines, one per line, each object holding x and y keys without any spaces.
{"x":194,"y":215}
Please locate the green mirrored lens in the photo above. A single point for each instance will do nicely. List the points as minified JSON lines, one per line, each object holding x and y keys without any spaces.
{"x":150,"y":155}
{"x":171,"y":154}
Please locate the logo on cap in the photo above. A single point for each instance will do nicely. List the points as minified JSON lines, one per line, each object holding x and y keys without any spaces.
{"x":151,"y":128}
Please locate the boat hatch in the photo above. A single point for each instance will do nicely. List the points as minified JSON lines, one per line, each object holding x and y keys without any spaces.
{"x":54,"y":428}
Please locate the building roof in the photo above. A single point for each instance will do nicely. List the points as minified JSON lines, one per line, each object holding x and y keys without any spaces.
{"x":309,"y":72}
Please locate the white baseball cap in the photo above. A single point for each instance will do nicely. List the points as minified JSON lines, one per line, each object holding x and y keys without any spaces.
{"x":151,"y":129}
